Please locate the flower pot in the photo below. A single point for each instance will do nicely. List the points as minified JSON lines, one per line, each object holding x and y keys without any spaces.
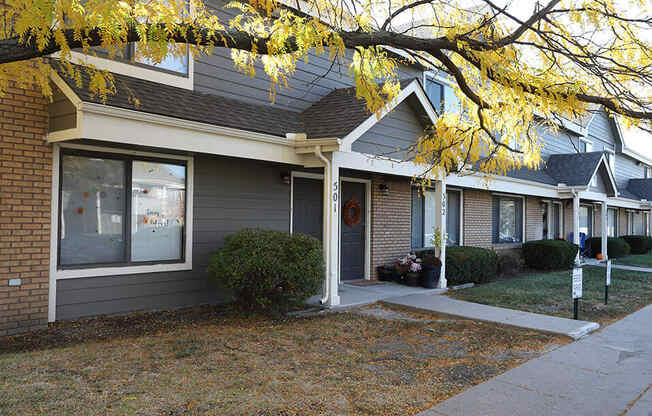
{"x":413,"y":278}
{"x":385,"y":274}
{"x":430,"y":277}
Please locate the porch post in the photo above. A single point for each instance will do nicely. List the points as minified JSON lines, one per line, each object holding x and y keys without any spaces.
{"x":605,"y":228}
{"x":440,"y":223}
{"x":332,"y":237}
{"x":576,"y":223}
{"x":549,"y":206}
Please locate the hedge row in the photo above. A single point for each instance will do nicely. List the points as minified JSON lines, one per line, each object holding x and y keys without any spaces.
{"x":549,"y":254}
{"x":616,"y":247}
{"x":639,"y":244}
{"x":470,"y":265}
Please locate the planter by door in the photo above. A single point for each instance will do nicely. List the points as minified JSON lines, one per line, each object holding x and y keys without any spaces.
{"x":353,"y":235}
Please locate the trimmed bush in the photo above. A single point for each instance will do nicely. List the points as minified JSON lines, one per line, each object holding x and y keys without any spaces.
{"x":616,"y":247}
{"x":470,"y":265}
{"x":639,"y":244}
{"x":269,"y":270}
{"x":549,"y":254}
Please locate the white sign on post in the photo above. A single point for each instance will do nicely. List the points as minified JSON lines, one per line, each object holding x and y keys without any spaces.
{"x":608,"y":272}
{"x":577,"y":282}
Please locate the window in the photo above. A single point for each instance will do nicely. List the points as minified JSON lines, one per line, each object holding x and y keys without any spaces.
{"x":612,"y":222}
{"x":544,"y":220}
{"x":648,"y":172}
{"x":586,"y":220}
{"x":453,"y":220}
{"x":435,"y":91}
{"x":423,"y":218}
{"x":557,"y":220}
{"x":639,"y":223}
{"x":172,"y":62}
{"x":120,"y":210}
{"x":585,"y":146}
{"x":507,"y":219}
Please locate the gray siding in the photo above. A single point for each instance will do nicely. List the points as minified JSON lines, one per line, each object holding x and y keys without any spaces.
{"x":215,"y":74}
{"x":229,"y":194}
{"x":601,"y":132}
{"x":400,"y":129}
{"x":627,"y":168}
{"x":557,"y":143}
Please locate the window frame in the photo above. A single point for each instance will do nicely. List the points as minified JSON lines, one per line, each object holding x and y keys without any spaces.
{"x":59,"y":271}
{"x":615,"y":211}
{"x":495,"y":237}
{"x":422,"y":209}
{"x":460,"y":213}
{"x":440,"y":106}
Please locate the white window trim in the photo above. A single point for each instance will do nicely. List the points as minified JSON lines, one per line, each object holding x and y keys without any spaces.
{"x":461,"y":230}
{"x":561,"y":218}
{"x":523,"y":219}
{"x":185,"y":81}
{"x":57,"y":274}
{"x":589,"y":144}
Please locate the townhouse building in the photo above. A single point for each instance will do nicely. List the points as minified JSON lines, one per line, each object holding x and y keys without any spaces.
{"x":114,"y":207}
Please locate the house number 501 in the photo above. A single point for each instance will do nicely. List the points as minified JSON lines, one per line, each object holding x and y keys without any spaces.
{"x":335,"y":191}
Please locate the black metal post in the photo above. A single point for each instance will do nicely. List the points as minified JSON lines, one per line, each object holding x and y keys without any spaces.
{"x":606,"y":294}
{"x":575,"y":308}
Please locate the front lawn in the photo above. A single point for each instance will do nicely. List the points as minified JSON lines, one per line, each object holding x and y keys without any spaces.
{"x":550,"y":294}
{"x":374,"y":361}
{"x":638,"y":260}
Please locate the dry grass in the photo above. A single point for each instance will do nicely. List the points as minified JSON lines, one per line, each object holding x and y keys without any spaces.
{"x":223,"y":364}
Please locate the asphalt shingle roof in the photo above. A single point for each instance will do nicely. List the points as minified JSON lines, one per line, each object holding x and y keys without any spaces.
{"x":539,"y":175}
{"x":573,"y":169}
{"x":151,"y":97}
{"x":642,"y":188}
{"x":337,"y":114}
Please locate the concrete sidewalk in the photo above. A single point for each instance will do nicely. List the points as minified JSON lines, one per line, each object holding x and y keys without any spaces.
{"x":478,"y":312}
{"x":608,"y":373}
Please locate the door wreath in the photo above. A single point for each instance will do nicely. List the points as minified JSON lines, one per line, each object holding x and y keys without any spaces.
{"x":352,"y":205}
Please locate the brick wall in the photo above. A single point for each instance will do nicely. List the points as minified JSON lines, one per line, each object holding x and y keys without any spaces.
{"x":390,"y":220}
{"x":533,"y":219}
{"x":477,"y":218}
{"x":25,"y":175}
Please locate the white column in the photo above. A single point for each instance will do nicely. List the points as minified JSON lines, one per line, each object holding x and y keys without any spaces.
{"x":549,"y":206}
{"x":605,"y":228}
{"x":441,"y":206}
{"x":576,"y":223}
{"x":333,"y":202}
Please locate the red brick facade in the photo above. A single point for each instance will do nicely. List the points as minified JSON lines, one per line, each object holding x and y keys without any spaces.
{"x":391,"y":213}
{"x":25,"y":187}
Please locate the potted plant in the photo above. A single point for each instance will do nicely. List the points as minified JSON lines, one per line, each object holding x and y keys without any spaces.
{"x":413,"y":276}
{"x":432,"y":264}
{"x":402,"y":267}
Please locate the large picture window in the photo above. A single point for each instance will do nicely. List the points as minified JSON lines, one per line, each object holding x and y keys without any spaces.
{"x":120,"y":210}
{"x":507,"y":219}
{"x":423,"y":218}
{"x":612,"y":222}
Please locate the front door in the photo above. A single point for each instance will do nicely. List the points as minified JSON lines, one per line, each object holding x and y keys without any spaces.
{"x":353,"y":231}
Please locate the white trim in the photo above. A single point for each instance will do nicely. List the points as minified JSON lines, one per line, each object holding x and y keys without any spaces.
{"x":56,"y":274}
{"x":561,"y":218}
{"x":610,"y":174}
{"x":139,"y":71}
{"x":367,"y":182}
{"x":461,"y":211}
{"x":523,"y":218}
{"x":54,"y":232}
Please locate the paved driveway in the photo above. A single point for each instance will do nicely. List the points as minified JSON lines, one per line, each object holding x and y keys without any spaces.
{"x":607,"y":373}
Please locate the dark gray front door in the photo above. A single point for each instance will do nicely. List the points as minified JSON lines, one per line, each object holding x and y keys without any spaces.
{"x":307,"y":212}
{"x":353,"y":236}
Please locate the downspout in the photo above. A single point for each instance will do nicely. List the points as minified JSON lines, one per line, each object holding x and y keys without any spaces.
{"x":327,"y":164}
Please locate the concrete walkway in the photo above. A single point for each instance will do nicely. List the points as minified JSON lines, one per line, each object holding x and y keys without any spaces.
{"x":608,"y":373}
{"x":593,"y":262}
{"x":476,"y":311}
{"x":352,"y":295}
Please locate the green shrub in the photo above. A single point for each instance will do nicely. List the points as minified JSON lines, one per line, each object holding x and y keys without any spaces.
{"x":616,"y":247}
{"x":549,"y":254}
{"x":639,"y":244}
{"x":269,"y":270}
{"x":470,"y":265}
